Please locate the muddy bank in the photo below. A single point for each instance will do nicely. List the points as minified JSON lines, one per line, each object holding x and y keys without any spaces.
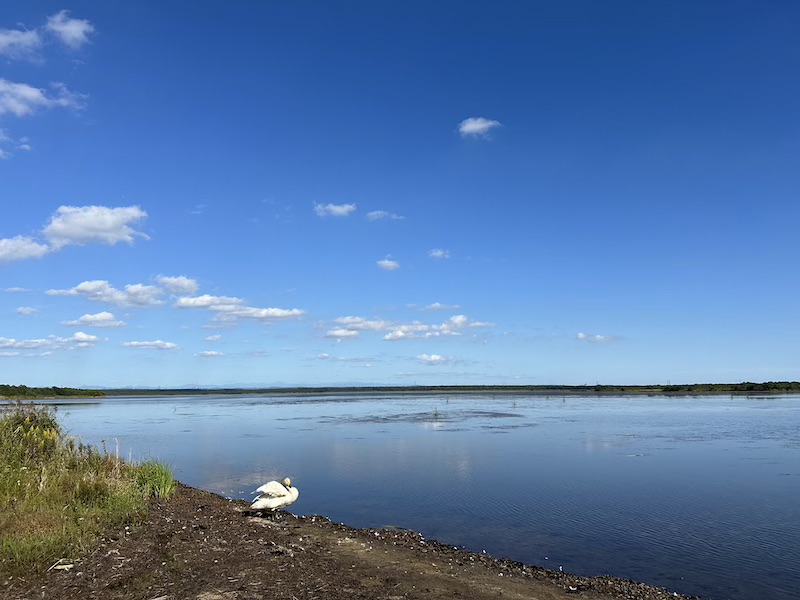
{"x":200,"y":545}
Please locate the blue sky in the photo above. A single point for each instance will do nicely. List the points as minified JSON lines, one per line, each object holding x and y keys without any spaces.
{"x":332,"y":193}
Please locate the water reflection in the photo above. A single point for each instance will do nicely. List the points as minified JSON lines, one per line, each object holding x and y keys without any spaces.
{"x":695,"y":494}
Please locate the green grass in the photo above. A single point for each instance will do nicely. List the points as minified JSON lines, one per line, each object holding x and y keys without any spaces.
{"x":58,"y":495}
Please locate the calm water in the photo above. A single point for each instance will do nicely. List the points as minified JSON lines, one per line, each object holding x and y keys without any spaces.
{"x":699,"y":495}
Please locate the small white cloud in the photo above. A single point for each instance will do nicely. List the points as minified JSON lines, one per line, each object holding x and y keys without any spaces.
{"x":208,"y":301}
{"x":20,"y":248}
{"x":80,"y":225}
{"x":101,"y":319}
{"x":397,"y":334}
{"x":179,"y":286}
{"x":379,"y":215}
{"x":481,"y":324}
{"x":80,"y":338}
{"x":20,"y":44}
{"x":24,"y":344}
{"x":27,"y":310}
{"x":209,"y":354}
{"x":388,"y":265}
{"x":334,"y":210}
{"x":73,"y":33}
{"x":323,"y":356}
{"x":22,"y":100}
{"x":341,"y":333}
{"x":438,"y":253}
{"x":440,"y":306}
{"x":432,"y":359}
{"x":16,"y":290}
{"x":595,"y":339}
{"x":7,"y":353}
{"x":213,"y":338}
{"x":476,"y":127}
{"x":156,"y":344}
{"x":362,"y":324}
{"x":259,"y":314}
{"x":100,"y":290}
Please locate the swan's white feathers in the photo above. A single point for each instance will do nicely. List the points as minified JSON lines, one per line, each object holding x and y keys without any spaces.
{"x":275,"y":495}
{"x":272,"y":489}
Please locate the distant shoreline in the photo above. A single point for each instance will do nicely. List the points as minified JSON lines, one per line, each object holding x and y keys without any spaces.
{"x":8,"y":392}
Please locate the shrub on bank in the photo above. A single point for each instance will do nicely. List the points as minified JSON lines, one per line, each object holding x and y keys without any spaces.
{"x":57,"y":495}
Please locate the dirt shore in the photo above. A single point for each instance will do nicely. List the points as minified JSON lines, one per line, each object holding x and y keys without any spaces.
{"x":199,"y":545}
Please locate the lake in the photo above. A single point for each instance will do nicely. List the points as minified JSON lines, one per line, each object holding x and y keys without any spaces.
{"x":697,"y":494}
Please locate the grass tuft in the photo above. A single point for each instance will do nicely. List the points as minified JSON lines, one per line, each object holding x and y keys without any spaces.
{"x":57,"y":495}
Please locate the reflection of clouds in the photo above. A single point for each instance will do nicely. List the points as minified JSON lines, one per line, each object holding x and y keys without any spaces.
{"x":368,"y":460}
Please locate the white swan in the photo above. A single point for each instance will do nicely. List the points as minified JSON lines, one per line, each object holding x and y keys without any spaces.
{"x":275,"y":495}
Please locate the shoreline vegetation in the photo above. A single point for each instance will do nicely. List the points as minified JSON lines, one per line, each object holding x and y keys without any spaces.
{"x":23,"y":392}
{"x":76,"y":522}
{"x":57,"y":494}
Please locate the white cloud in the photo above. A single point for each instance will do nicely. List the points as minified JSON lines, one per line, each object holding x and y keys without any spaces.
{"x":477,"y":127}
{"x":207,"y":301}
{"x":209,"y":354}
{"x":213,"y":338}
{"x":21,"y":247}
{"x":259,"y":314}
{"x":73,"y":33}
{"x":6,"y":353}
{"x":16,"y":44}
{"x":432,"y":359}
{"x":27,"y":310}
{"x":334,"y":210}
{"x":323,"y":356}
{"x":72,"y":225}
{"x":379,"y":215}
{"x":24,"y":344}
{"x":362,"y":324}
{"x":231,"y":309}
{"x":388,"y":265}
{"x":341,"y":333}
{"x":22,"y":100}
{"x":178,"y":286}
{"x":438,"y":253}
{"x":481,"y":324}
{"x":397,"y":334}
{"x":403,"y":331}
{"x":78,"y":340}
{"x":85,"y":224}
{"x":100,"y":290}
{"x":16,"y":290}
{"x":156,"y":344}
{"x":594,"y":339}
{"x":440,"y":306}
{"x":101,"y":319}
{"x":9,"y":144}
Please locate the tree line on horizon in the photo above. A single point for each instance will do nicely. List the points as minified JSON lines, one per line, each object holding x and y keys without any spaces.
{"x":23,"y":392}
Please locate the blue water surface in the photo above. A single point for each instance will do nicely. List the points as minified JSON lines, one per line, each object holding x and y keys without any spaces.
{"x":697,"y":494}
